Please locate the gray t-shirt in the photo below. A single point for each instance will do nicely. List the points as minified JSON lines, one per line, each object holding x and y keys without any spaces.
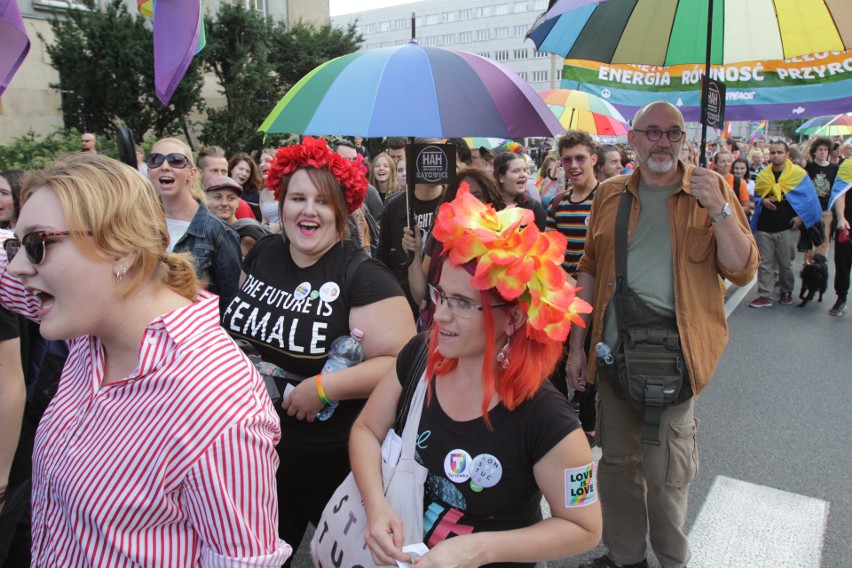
{"x":649,"y":258}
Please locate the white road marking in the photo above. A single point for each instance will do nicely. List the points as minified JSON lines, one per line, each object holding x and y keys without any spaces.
{"x":738,"y":296}
{"x":743,"y":524}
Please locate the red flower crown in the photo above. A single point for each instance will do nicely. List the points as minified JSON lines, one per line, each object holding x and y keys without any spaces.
{"x":315,"y":153}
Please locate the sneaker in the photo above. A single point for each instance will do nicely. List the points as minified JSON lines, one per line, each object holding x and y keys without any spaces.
{"x":761,"y":302}
{"x":607,"y":562}
{"x":786,"y":298}
{"x":838,"y":308}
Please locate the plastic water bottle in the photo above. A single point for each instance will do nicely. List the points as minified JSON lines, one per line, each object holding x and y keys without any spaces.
{"x":345,"y":352}
{"x":604,"y":353}
{"x":560,"y":177}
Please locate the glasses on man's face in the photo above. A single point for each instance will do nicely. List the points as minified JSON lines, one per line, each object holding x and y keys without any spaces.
{"x":34,"y":244}
{"x":178,"y":161}
{"x":654,"y":134}
{"x":579,"y":159}
{"x":458,"y":306}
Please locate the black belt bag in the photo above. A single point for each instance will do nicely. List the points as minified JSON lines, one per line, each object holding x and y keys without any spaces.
{"x":649,"y":371}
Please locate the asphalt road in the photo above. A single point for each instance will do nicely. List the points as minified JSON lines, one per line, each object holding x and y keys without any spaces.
{"x":777,"y":414}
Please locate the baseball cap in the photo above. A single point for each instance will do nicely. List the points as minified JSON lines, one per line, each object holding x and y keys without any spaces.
{"x":224,"y":182}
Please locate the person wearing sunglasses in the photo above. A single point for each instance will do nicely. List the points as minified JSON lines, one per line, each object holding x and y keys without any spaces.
{"x":659,"y":309}
{"x":157,"y":406}
{"x":215,"y":247}
{"x":494,"y":435}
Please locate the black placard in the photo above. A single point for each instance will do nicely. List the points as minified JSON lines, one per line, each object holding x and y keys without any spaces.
{"x":712,"y":102}
{"x":431,"y":164}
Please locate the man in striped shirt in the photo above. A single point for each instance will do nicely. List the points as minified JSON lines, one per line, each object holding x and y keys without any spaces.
{"x":569,"y":211}
{"x":569,"y":214}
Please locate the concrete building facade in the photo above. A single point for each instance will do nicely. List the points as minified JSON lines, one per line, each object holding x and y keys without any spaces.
{"x":30,"y":104}
{"x":491,"y":28}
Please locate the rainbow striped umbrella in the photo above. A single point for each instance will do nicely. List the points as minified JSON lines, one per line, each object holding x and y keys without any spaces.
{"x":480,"y":142}
{"x":673,"y":32}
{"x":585,"y":111}
{"x":411,"y":90}
{"x":832,"y":125}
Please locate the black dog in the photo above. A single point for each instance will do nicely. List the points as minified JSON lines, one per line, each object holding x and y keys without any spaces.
{"x":814,"y":279}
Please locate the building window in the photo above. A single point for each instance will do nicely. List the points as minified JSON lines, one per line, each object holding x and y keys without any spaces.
{"x":539,"y":76}
{"x":465,"y":37}
{"x":402,"y":23}
{"x":523,"y":75}
{"x":501,"y":33}
{"x":385,"y":26}
{"x":483,"y":54}
{"x":520,"y":31}
{"x":449,"y":16}
{"x":482,"y":35}
{"x":371,"y":28}
{"x":448,"y":39}
{"x":483,"y":12}
{"x":520,"y":54}
{"x":502,"y":9}
{"x":559,"y":74}
{"x":432,"y":40}
{"x":465,"y":14}
{"x":433,"y":19}
{"x":501,"y":55}
{"x":539,"y":4}
{"x":540,"y":54}
{"x":258,"y":5}
{"x":520,"y":7}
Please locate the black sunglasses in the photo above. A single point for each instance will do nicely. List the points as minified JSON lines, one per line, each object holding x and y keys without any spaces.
{"x":178,"y":161}
{"x":34,"y":244}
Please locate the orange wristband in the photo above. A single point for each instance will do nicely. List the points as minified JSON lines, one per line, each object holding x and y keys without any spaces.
{"x":320,"y":392}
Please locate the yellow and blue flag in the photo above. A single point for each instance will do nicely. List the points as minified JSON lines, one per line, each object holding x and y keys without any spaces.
{"x":793,"y":185}
{"x":842,"y":182}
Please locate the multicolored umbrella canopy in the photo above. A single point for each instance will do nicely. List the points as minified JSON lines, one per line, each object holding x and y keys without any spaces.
{"x":832,"y":125}
{"x":584,"y":111}
{"x":480,"y":142}
{"x":673,"y":32}
{"x":411,"y":90}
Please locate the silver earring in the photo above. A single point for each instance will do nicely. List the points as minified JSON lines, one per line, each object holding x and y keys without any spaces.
{"x":119,"y":273}
{"x":503,"y":354}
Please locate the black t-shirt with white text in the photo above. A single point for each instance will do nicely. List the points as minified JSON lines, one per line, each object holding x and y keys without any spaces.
{"x":293,"y":314}
{"x":501,"y":459}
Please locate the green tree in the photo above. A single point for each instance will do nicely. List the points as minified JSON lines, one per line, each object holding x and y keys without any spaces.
{"x":256,"y":61}
{"x":29,"y":152}
{"x":788,"y":127}
{"x":105,"y":61}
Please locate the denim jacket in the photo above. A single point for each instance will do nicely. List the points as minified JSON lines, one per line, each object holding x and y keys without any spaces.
{"x":215,"y":249}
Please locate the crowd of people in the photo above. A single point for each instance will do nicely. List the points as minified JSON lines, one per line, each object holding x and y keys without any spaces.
{"x":165,"y":331}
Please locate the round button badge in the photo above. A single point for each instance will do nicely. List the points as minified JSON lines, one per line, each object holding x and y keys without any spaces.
{"x":457,"y":466}
{"x":302,"y":291}
{"x":486,"y":471}
{"x":329,"y":292}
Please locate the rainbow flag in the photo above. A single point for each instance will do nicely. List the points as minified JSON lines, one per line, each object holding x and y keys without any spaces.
{"x":759,"y":132}
{"x":726,"y":132}
{"x":842,"y":182}
{"x":14,"y":42}
{"x":178,"y":37}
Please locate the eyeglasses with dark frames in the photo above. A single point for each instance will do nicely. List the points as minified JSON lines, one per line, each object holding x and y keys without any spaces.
{"x":654,"y":134}
{"x":458,"y":306}
{"x":178,"y":161}
{"x":35,"y":244}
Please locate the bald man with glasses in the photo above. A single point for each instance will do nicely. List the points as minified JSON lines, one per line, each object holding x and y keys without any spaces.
{"x":659,"y":242}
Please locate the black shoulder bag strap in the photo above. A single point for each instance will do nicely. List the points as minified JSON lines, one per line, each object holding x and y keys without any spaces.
{"x":653,"y":393}
{"x":410,"y":385}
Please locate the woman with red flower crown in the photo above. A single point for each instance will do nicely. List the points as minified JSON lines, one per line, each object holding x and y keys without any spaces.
{"x":494,"y":435}
{"x":299,"y":292}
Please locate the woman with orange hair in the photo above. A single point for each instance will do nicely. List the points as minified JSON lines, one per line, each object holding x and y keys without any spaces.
{"x":494,"y":435}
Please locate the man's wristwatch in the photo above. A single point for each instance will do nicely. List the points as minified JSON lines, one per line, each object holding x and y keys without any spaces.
{"x":726,"y":212}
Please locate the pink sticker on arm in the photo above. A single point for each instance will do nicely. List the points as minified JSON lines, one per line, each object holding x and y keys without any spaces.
{"x":581,"y":486}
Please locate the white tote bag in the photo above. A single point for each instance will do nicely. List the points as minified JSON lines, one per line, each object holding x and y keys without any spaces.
{"x":338,"y":541}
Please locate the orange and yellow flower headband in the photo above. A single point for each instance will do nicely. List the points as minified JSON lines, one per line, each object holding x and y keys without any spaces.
{"x":522,"y":263}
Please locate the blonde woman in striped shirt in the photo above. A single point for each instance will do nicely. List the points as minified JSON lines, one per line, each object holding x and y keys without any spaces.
{"x":159,"y":447}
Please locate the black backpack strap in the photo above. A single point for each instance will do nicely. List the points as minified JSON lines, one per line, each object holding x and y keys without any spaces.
{"x":737,"y":181}
{"x":359,"y":257}
{"x":622,"y":219}
{"x":409,"y":385}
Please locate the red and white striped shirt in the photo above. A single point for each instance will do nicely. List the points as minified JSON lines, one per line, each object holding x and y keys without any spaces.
{"x":172,"y":466}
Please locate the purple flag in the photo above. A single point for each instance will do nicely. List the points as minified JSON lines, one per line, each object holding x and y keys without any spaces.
{"x":14,"y":43}
{"x":177,"y":24}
